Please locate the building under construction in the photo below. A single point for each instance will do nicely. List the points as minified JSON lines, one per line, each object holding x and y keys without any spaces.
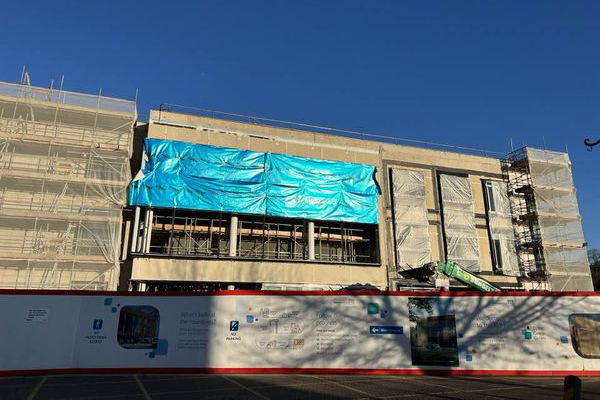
{"x":324,"y":211}
{"x":220,"y":201}
{"x":64,"y":172}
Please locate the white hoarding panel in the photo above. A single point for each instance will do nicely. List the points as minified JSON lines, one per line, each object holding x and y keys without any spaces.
{"x":401,"y":332}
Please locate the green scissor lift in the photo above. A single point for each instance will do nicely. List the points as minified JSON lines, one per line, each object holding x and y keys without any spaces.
{"x":452,"y":270}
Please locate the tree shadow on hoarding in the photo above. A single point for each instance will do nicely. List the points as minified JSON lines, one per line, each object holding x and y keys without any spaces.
{"x":416,"y":332}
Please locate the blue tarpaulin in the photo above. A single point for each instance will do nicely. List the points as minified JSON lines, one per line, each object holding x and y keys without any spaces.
{"x":200,"y":177}
{"x":320,"y":189}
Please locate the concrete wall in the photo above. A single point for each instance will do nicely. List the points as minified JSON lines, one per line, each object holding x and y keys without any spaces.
{"x":218,"y":132}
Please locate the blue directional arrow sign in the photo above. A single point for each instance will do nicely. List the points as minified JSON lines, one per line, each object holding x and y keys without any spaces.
{"x":386,"y":330}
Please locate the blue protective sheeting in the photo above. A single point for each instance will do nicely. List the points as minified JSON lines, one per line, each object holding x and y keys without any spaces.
{"x":320,"y":189}
{"x":200,"y":177}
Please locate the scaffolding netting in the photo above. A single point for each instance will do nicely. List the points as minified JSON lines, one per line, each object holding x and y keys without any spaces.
{"x":459,"y":221}
{"x":64,"y":171}
{"x":411,"y":227}
{"x":544,"y":179}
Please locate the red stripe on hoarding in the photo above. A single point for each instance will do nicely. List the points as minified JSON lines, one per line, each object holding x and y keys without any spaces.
{"x":432,"y":293}
{"x":320,"y":371}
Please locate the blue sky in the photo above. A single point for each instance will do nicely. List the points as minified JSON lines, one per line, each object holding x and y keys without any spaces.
{"x":467,"y":73}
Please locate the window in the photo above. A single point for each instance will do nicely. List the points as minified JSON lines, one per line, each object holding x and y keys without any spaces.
{"x":585,"y":334}
{"x":496,"y":254}
{"x":411,"y":227}
{"x":460,"y":233}
{"x":489,"y":195}
{"x":501,"y":232}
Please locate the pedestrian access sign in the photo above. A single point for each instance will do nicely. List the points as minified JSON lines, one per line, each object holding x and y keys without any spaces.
{"x":386,"y":330}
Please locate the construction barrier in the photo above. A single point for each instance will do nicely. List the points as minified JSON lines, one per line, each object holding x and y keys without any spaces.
{"x":516,"y":333}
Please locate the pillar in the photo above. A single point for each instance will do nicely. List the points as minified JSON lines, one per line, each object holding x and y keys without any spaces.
{"x":233,"y":235}
{"x":311,"y":240}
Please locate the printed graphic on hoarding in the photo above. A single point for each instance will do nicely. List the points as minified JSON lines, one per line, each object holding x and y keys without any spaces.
{"x":386,"y":330}
{"x":432,"y":331}
{"x":37,"y":315}
{"x":138,"y":327}
{"x":585,"y":334}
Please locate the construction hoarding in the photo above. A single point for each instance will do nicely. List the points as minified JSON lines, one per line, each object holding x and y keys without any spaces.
{"x":253,"y":331}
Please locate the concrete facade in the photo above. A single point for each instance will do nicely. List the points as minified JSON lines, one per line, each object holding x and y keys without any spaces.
{"x":384,"y":156}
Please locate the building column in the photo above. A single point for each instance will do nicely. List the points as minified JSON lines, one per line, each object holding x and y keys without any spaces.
{"x":136,"y":231}
{"x":147,"y":234}
{"x":144,"y":231}
{"x":233,"y":235}
{"x":311,"y":240}
{"x":149,"y":231}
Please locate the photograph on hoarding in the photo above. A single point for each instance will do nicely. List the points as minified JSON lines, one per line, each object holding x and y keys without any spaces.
{"x":432,"y":332}
{"x":585,"y":334}
{"x":138,"y":327}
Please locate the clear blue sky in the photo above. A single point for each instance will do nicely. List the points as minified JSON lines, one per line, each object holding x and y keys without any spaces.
{"x":470,"y":73}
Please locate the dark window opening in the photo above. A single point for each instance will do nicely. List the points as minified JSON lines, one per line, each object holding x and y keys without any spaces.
{"x":489,"y":195}
{"x":343,"y":242}
{"x":490,"y":213}
{"x":206,"y":234}
{"x":271,"y":238}
{"x":496,"y":255}
{"x":183,"y":233}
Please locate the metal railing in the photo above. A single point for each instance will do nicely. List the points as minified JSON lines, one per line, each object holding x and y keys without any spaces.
{"x":392,"y":139}
{"x":65,"y":97}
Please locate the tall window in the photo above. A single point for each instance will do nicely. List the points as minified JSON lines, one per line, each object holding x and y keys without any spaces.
{"x":411,"y":227}
{"x":500,"y":228}
{"x":458,"y":214}
{"x":489,"y":195}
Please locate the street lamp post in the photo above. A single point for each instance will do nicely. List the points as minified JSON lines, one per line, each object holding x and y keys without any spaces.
{"x":590,"y":144}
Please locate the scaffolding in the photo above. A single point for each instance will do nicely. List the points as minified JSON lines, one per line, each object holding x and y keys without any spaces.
{"x":64,"y":171}
{"x":550,"y":242}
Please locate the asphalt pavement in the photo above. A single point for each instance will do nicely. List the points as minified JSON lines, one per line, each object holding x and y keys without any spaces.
{"x":287,"y":387}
